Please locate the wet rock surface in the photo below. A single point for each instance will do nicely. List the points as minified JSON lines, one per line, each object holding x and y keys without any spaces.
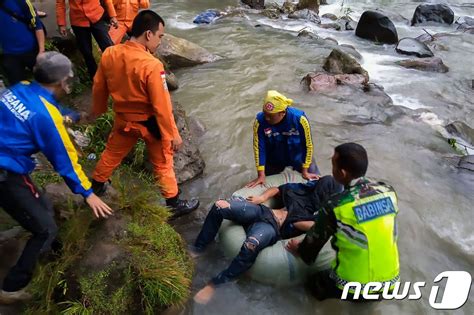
{"x":376,"y":27}
{"x":434,"y":64}
{"x":414,"y":47}
{"x":432,"y":13}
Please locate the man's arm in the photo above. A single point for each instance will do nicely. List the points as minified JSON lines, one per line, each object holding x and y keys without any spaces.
{"x":53,"y":140}
{"x":61,"y":12}
{"x":144,"y":4}
{"x":308,"y":141}
{"x":100,"y":91}
{"x":269,"y":193}
{"x":161,"y":102}
{"x":322,"y":230}
{"x":303,"y":226}
{"x":259,"y":154}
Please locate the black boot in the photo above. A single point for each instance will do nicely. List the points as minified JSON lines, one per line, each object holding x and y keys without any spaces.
{"x":98,"y":188}
{"x":180,"y":207}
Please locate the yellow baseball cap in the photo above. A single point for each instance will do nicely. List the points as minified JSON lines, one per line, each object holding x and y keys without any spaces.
{"x":276,"y":102}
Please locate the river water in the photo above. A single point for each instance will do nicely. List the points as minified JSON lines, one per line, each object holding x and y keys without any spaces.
{"x":405,"y":150}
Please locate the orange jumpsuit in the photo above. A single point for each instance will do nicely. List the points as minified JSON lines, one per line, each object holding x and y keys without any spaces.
{"x":82,"y":13}
{"x":126,"y":11}
{"x":136,"y":81}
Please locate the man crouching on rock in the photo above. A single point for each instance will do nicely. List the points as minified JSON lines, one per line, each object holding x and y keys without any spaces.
{"x":136,"y":81}
{"x":31,"y":121}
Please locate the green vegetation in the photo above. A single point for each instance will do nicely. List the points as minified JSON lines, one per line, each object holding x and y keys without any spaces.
{"x":154,"y":271}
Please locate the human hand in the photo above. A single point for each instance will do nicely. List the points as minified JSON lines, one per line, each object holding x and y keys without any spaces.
{"x":257,"y":181}
{"x":176,"y":143}
{"x":309,"y":176}
{"x":100,"y":208}
{"x":114,"y":22}
{"x":292,"y":246}
{"x":255,"y":199}
{"x":63,"y":30}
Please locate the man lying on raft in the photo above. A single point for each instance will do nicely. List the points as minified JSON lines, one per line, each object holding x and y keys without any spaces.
{"x":263,"y":226}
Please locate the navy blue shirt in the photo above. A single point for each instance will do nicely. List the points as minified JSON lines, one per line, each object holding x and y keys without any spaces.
{"x":15,"y":36}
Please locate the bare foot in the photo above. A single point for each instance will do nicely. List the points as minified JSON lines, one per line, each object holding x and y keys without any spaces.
{"x":205,"y":294}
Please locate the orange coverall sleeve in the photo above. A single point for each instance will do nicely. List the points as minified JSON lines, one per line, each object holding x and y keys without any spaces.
{"x":109,"y":6}
{"x":161,"y":102}
{"x":100,"y":93}
{"x":144,"y":4}
{"x":61,"y":12}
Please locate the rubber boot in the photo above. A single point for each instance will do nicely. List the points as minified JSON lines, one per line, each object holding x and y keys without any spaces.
{"x":180,"y":207}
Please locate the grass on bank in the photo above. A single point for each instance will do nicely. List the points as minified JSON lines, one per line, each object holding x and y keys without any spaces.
{"x":157,"y":272}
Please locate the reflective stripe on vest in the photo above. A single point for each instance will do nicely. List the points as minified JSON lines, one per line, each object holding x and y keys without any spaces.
{"x":365,"y":239}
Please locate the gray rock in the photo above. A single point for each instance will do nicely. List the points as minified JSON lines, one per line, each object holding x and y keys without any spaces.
{"x":188,"y":162}
{"x":332,"y":40}
{"x":289,"y":7}
{"x":272,"y":13}
{"x":349,"y":49}
{"x":465,"y":20}
{"x":461,"y":130}
{"x":305,"y":14}
{"x":466,"y":28}
{"x":411,"y":46}
{"x":255,"y":4}
{"x":329,"y":16}
{"x":433,"y":64}
{"x":335,"y":26}
{"x":432,"y":13}
{"x":171,"y":81}
{"x":309,"y":4}
{"x":178,"y":52}
{"x":339,"y":62}
{"x":377,"y":27}
{"x":325,"y":82}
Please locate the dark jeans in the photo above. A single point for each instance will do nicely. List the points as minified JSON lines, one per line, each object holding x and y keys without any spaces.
{"x":15,"y":66}
{"x":260,"y":229}
{"x":100,"y":31}
{"x":20,"y":198}
{"x":271,"y":169}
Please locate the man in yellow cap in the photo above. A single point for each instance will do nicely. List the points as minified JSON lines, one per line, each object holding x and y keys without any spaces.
{"x":281,"y":138}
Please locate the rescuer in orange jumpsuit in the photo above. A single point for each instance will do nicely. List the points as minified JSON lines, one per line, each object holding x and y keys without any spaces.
{"x":87,"y":19}
{"x":136,"y":81}
{"x":126,"y":11}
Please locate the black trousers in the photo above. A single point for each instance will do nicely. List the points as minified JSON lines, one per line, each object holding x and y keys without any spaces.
{"x":100,"y":31}
{"x":15,"y":66}
{"x":20,"y":198}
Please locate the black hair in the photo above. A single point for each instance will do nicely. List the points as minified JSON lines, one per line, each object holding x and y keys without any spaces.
{"x":352,"y":158}
{"x":146,"y":20}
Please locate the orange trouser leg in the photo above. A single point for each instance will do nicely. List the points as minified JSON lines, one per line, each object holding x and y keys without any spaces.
{"x":117,"y":34}
{"x":160,"y":154}
{"x":118,"y":146}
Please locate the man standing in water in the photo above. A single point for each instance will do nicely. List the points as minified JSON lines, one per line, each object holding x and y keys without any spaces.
{"x":136,"y":81}
{"x":281,"y":138}
{"x":362,"y":222}
{"x":31,"y":121}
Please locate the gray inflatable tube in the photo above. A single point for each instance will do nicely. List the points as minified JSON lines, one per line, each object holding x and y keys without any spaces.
{"x":274,"y":265}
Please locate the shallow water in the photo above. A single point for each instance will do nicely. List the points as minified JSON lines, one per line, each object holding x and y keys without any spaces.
{"x":407,"y":151}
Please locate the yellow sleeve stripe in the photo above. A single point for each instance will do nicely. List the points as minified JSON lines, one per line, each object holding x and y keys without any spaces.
{"x":71,"y":151}
{"x":309,"y":142}
{"x":32,"y":12}
{"x":256,"y":150}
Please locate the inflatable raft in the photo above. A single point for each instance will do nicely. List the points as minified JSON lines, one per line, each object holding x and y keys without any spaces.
{"x":274,"y":265}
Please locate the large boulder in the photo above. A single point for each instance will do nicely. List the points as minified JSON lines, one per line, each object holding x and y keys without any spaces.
{"x":188,"y":162}
{"x":465,"y":24}
{"x":433,"y":64}
{"x":376,"y":27}
{"x":178,"y":52}
{"x":255,"y":4}
{"x":339,"y":62}
{"x":305,"y":14}
{"x":432,"y":13}
{"x":413,"y":47}
{"x":171,"y":81}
